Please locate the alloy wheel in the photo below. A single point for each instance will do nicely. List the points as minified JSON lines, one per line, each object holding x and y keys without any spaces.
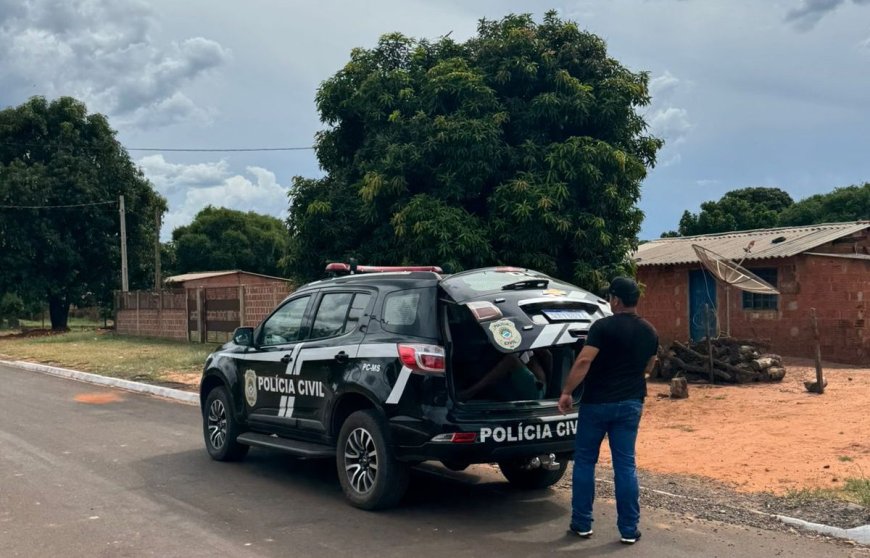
{"x":361,"y":460}
{"x":217,"y":424}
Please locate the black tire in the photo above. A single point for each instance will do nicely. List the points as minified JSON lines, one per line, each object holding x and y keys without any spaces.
{"x":372,"y":479}
{"x":220,"y":428}
{"x":531,"y":479}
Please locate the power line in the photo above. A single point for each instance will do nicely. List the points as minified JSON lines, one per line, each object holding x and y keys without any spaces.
{"x":168,"y":149}
{"x":217,"y":150}
{"x":56,"y":206}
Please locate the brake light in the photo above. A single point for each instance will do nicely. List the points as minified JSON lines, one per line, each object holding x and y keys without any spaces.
{"x":509,"y":269}
{"x":423,"y":358}
{"x":484,"y":311}
{"x":456,"y":438}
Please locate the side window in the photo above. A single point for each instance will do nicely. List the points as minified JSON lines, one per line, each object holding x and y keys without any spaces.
{"x":331,"y":315}
{"x":285,"y":325}
{"x":400,"y":309}
{"x":360,"y":303}
{"x":755,"y":301}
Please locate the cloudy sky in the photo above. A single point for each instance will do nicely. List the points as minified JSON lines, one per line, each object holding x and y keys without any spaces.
{"x":745,"y":93}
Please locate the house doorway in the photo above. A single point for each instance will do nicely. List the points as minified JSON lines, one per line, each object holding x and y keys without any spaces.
{"x":702,"y":290}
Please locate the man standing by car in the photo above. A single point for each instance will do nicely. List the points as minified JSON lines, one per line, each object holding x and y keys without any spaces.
{"x":619,"y":351}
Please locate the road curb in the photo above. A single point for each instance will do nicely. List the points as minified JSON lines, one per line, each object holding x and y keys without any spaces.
{"x":127,"y":385}
{"x":860,"y":535}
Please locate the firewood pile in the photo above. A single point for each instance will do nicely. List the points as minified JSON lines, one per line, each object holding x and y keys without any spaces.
{"x":736,"y":361}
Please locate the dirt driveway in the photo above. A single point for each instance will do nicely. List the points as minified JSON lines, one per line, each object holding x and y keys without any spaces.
{"x":758,"y":437}
{"x":763,"y":437}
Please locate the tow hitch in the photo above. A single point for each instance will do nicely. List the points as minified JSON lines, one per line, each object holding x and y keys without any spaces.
{"x":546,"y":461}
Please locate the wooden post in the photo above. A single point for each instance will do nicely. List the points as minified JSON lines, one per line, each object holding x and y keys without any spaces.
{"x":241,"y":306}
{"x":820,"y":379}
{"x":709,"y":342}
{"x":137,"y":312}
{"x":187,"y":315}
{"x":200,"y":319}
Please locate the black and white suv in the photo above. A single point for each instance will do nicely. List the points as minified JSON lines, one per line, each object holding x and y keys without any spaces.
{"x":373,"y":370}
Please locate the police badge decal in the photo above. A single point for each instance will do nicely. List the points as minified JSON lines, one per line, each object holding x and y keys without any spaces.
{"x":251,"y":387}
{"x":505,"y":334}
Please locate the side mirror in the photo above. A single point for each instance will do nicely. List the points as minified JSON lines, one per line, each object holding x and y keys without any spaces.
{"x":244,"y":336}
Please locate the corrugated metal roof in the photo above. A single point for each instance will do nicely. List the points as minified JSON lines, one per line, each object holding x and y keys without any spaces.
{"x":199,"y":275}
{"x":769,"y":243}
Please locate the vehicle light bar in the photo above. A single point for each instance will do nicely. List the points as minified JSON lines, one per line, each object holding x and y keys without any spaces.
{"x":338,"y":267}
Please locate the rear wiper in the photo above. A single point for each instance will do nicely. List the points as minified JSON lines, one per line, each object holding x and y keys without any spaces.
{"x":527,"y":284}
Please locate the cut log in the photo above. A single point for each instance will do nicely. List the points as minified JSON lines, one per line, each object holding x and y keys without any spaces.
{"x":813,"y":387}
{"x":679,"y":388}
{"x":700,"y":370}
{"x":762,"y":363}
{"x":719,"y":363}
{"x":776,"y":373}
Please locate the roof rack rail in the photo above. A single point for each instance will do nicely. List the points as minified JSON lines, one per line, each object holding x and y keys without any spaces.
{"x":338,"y":268}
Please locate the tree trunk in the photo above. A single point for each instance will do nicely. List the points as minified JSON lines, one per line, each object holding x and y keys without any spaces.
{"x":58,"y":310}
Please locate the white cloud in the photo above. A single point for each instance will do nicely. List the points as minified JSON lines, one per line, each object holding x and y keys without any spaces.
{"x":663,"y":85}
{"x":190,"y":188}
{"x":671,"y":123}
{"x":103,"y":52}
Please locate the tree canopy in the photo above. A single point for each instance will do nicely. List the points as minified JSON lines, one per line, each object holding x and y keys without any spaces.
{"x":222,"y":239}
{"x":61,"y":173}
{"x":738,"y":210}
{"x":520,"y":146}
{"x":851,"y":203}
{"x":764,"y":208}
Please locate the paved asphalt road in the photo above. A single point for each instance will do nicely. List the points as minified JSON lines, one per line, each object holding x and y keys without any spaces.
{"x":130,"y":477}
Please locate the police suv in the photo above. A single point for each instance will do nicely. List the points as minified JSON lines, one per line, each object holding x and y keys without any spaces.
{"x":382,"y":368}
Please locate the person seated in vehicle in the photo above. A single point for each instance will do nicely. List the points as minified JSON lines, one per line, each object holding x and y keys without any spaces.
{"x":516,"y":377}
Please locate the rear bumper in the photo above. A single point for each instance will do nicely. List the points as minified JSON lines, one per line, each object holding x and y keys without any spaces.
{"x":494,"y":440}
{"x":469,"y":453}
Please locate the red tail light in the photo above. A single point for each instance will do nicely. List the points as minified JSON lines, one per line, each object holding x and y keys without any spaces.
{"x":423,"y":358}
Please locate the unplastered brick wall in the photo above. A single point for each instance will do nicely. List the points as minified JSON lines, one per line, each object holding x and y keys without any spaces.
{"x":260,"y":300}
{"x":148,"y":322}
{"x":838,"y":289}
{"x":665,"y":300}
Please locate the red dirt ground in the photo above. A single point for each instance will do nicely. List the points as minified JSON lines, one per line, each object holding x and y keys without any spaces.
{"x":763,"y":437}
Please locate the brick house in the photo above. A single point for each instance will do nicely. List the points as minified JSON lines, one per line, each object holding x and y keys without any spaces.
{"x":203,"y":306}
{"x":231,"y":278}
{"x":826,"y":267}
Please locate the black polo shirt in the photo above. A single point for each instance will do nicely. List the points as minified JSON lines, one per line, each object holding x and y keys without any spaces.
{"x":625,"y":343}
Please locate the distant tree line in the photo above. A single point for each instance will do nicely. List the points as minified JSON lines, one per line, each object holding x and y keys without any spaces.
{"x":763,"y":208}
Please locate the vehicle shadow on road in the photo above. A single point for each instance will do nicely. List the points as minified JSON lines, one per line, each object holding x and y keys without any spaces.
{"x":437,"y":498}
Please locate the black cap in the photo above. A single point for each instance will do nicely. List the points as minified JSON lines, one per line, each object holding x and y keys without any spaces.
{"x":625,"y":288}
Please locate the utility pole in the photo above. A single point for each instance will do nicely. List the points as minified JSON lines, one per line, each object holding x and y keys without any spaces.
{"x":124,"y":285}
{"x":157,"y":251}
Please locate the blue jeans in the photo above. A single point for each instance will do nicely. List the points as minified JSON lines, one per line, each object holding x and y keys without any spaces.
{"x":619,"y":421}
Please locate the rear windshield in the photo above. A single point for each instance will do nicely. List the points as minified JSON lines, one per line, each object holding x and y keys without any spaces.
{"x":463,"y":286}
{"x":411,"y":312}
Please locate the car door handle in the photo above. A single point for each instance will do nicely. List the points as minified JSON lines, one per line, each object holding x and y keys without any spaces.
{"x":286,"y":358}
{"x":342,"y":356}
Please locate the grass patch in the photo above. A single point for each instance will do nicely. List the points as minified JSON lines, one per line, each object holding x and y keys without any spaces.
{"x":855,"y":490}
{"x":107,"y":354}
{"x":858,"y":491}
{"x":72,"y":323}
{"x":845,"y":458}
